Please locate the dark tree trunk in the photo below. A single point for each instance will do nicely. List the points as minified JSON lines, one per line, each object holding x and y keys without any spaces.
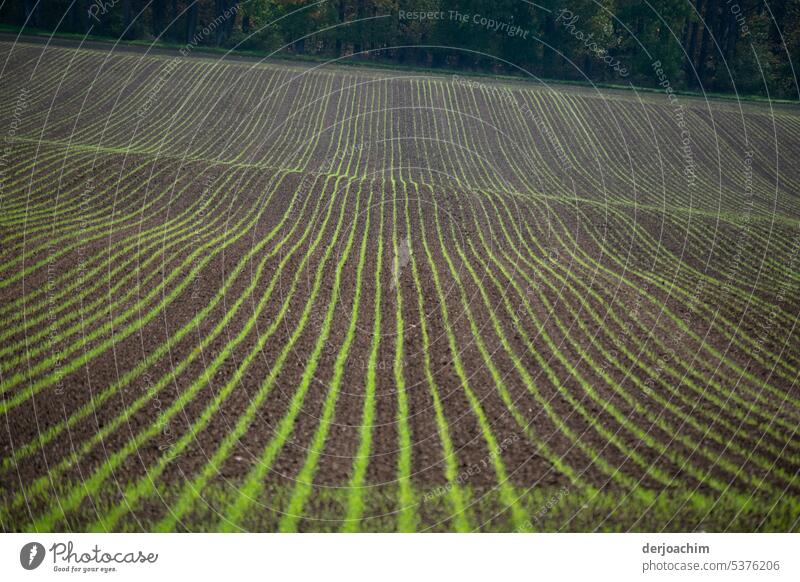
{"x":159,"y":11}
{"x":219,"y":18}
{"x":692,"y":43}
{"x":587,"y":66}
{"x":342,"y":9}
{"x":549,"y":57}
{"x":246,"y":24}
{"x":360,"y":13}
{"x":710,"y":18}
{"x":732,"y":41}
{"x":191,"y":22}
{"x":700,"y":64}
{"x":695,"y":32}
{"x":175,"y":24}
{"x":32,"y":13}
{"x":80,"y":16}
{"x":127,"y":19}
{"x":231,"y":21}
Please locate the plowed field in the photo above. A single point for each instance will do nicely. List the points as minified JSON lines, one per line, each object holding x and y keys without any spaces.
{"x":244,"y":295}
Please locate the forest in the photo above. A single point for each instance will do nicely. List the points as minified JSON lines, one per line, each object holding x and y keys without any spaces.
{"x":747,"y":47}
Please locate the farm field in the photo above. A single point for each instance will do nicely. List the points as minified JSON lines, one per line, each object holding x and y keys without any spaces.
{"x":281,"y":297}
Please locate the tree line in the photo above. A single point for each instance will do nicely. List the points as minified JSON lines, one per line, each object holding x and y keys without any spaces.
{"x":747,"y":46}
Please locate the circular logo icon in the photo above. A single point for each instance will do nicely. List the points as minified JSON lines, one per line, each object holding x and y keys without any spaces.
{"x":31,"y":555}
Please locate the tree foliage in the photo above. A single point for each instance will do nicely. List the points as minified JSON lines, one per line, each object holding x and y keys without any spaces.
{"x":746,"y":46}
